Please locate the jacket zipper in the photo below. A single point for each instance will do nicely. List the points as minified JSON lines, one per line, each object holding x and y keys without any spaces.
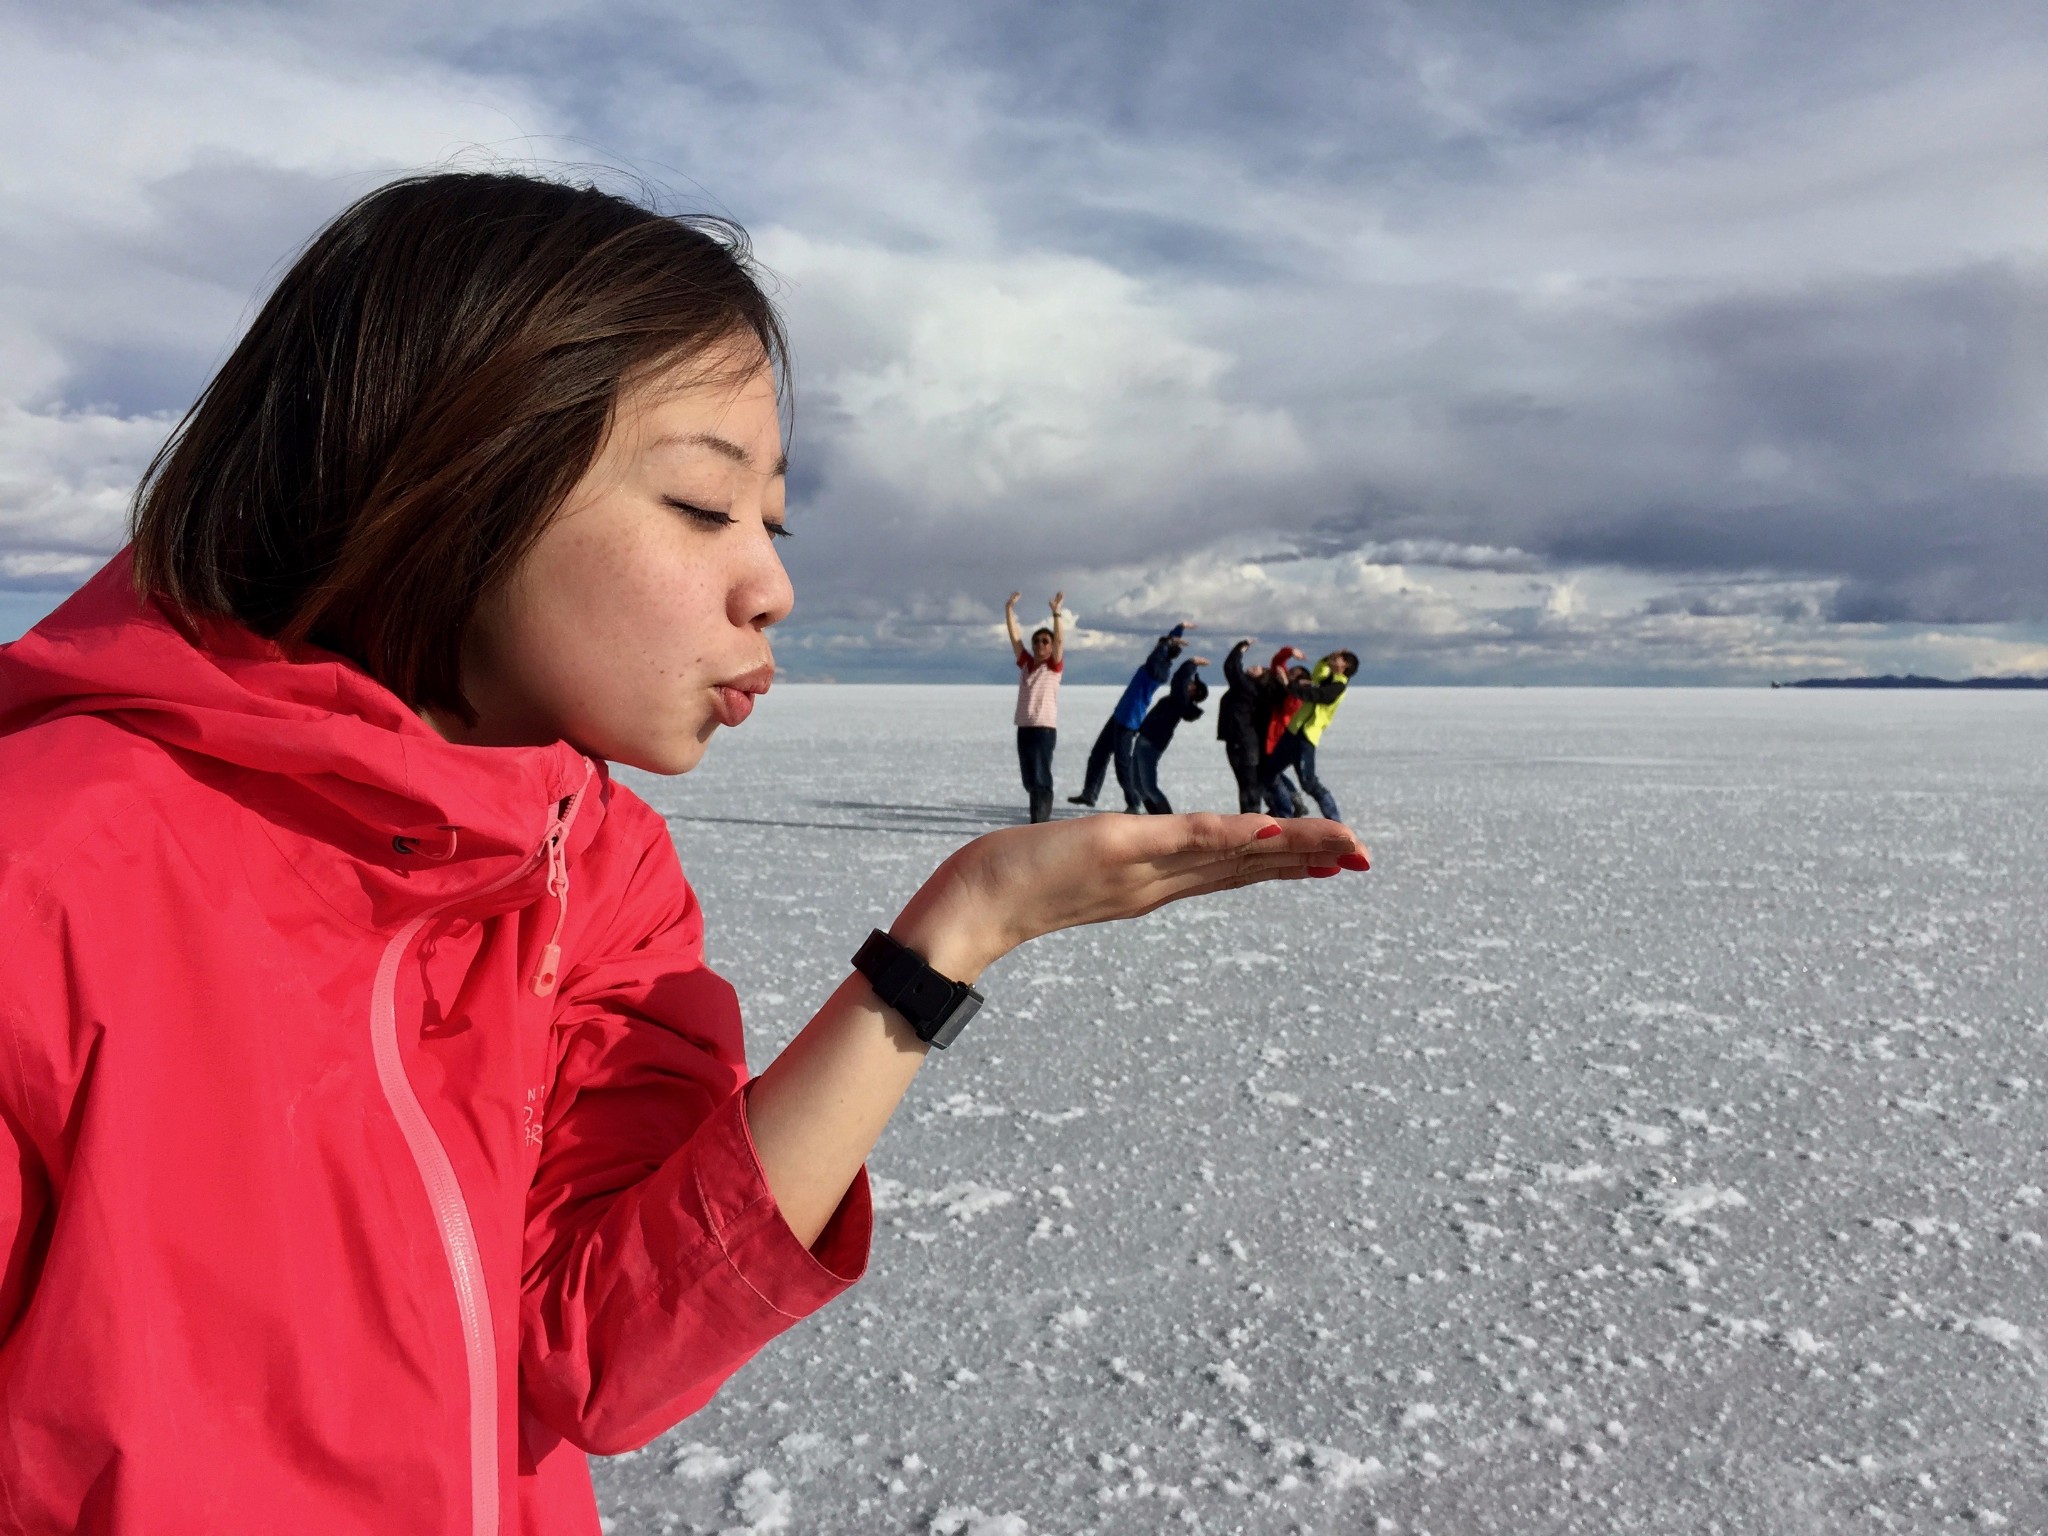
{"x":437,"y":1173}
{"x":549,"y":971}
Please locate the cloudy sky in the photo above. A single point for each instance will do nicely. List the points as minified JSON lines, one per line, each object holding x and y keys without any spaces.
{"x":1511,"y":342}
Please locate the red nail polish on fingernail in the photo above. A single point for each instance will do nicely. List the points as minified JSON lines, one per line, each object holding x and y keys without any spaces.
{"x":1324,"y":874}
{"x":1265,"y":832}
{"x":1355,"y":861}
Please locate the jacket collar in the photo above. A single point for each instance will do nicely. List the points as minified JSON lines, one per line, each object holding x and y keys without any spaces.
{"x":384,"y":815}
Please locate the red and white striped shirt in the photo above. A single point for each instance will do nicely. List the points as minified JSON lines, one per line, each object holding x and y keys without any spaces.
{"x":1038,"y":691}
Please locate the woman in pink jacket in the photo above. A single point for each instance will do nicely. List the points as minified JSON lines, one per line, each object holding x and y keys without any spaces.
{"x":374,"y":1141}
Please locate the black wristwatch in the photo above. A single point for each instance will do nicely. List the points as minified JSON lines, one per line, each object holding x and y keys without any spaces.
{"x":935,"y":1006}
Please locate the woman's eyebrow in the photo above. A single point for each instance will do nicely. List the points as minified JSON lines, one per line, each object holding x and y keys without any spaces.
{"x":725,"y":447}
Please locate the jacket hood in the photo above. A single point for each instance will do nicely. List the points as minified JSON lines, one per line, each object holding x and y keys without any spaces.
{"x":333,"y":753}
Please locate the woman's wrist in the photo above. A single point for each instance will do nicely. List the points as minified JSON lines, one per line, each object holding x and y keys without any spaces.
{"x":949,"y":929}
{"x":949,"y":947}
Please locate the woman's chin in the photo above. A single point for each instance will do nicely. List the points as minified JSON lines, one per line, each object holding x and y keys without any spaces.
{"x":680,"y":760}
{"x":668,"y":756}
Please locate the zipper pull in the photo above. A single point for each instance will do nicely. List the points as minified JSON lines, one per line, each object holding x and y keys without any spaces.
{"x":544,"y":978}
{"x":548,"y":972}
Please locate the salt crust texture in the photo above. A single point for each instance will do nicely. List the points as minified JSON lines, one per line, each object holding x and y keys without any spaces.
{"x":1652,"y":1143}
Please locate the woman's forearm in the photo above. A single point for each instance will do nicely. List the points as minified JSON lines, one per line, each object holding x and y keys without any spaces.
{"x":820,"y":1106}
{"x":818,"y":1110}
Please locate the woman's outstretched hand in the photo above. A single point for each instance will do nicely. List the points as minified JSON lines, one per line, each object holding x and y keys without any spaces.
{"x":815,"y":1113}
{"x":1008,"y":887}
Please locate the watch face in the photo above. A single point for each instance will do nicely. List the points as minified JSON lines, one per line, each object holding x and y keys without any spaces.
{"x":926,"y":995}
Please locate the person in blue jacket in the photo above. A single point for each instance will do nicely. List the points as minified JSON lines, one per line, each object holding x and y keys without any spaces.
{"x":1183,"y":701}
{"x":1120,"y":733}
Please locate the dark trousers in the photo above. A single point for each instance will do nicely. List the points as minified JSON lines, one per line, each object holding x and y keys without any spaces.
{"x":1034,"y":759}
{"x":1114,"y":744}
{"x":1246,"y":752}
{"x":1145,"y":777}
{"x":1299,"y":753}
{"x":1280,"y":796}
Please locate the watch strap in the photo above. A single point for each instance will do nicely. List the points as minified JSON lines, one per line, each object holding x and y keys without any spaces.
{"x":936,"y":1007}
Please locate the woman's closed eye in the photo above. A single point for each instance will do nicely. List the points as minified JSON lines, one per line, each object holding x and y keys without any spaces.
{"x":712,"y":519}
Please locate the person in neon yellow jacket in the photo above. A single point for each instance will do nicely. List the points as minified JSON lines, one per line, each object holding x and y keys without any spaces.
{"x":1320,"y":695}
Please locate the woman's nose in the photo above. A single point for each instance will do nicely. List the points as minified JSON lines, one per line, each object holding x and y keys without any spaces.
{"x":761,"y":593}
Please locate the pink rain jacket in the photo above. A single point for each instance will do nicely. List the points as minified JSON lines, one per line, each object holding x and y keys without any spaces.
{"x":372,"y":1142}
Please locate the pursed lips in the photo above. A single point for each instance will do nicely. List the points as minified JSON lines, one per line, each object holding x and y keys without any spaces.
{"x":736,"y":695}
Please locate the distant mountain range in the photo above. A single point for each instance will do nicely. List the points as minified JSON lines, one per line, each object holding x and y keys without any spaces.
{"x":1913,"y":681}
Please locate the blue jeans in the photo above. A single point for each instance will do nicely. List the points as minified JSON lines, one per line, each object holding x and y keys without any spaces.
{"x":1299,"y":753}
{"x":1115,"y":743}
{"x":1145,"y":777}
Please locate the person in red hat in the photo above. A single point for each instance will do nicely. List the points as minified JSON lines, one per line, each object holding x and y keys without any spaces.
{"x":1287,"y":669}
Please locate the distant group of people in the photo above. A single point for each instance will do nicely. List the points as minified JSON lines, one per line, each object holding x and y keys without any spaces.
{"x":1270,"y":721}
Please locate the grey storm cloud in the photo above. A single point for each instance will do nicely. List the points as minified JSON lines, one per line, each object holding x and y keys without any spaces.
{"x":1720,"y":331}
{"x":1741,"y":601}
{"x":1879,"y":433}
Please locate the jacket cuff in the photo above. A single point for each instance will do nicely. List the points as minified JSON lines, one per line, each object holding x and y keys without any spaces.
{"x":742,"y":1215}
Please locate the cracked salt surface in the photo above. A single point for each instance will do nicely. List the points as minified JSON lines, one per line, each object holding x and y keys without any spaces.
{"x":1651,"y":1144}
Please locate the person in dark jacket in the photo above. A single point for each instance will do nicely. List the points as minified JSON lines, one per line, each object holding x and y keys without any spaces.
{"x":1248,"y":703}
{"x":1183,"y":701}
{"x":1120,"y":733}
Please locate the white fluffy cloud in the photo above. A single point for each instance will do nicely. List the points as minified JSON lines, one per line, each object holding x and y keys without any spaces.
{"x":1017,"y":382}
{"x":1348,"y":598}
{"x":160,"y":165}
{"x":65,"y":478}
{"x":158,"y":168}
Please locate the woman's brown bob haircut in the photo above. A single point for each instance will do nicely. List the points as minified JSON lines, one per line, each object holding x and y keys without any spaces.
{"x":428,"y":382}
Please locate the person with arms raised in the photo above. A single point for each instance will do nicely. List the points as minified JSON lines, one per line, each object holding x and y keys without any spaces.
{"x":1038,"y":700}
